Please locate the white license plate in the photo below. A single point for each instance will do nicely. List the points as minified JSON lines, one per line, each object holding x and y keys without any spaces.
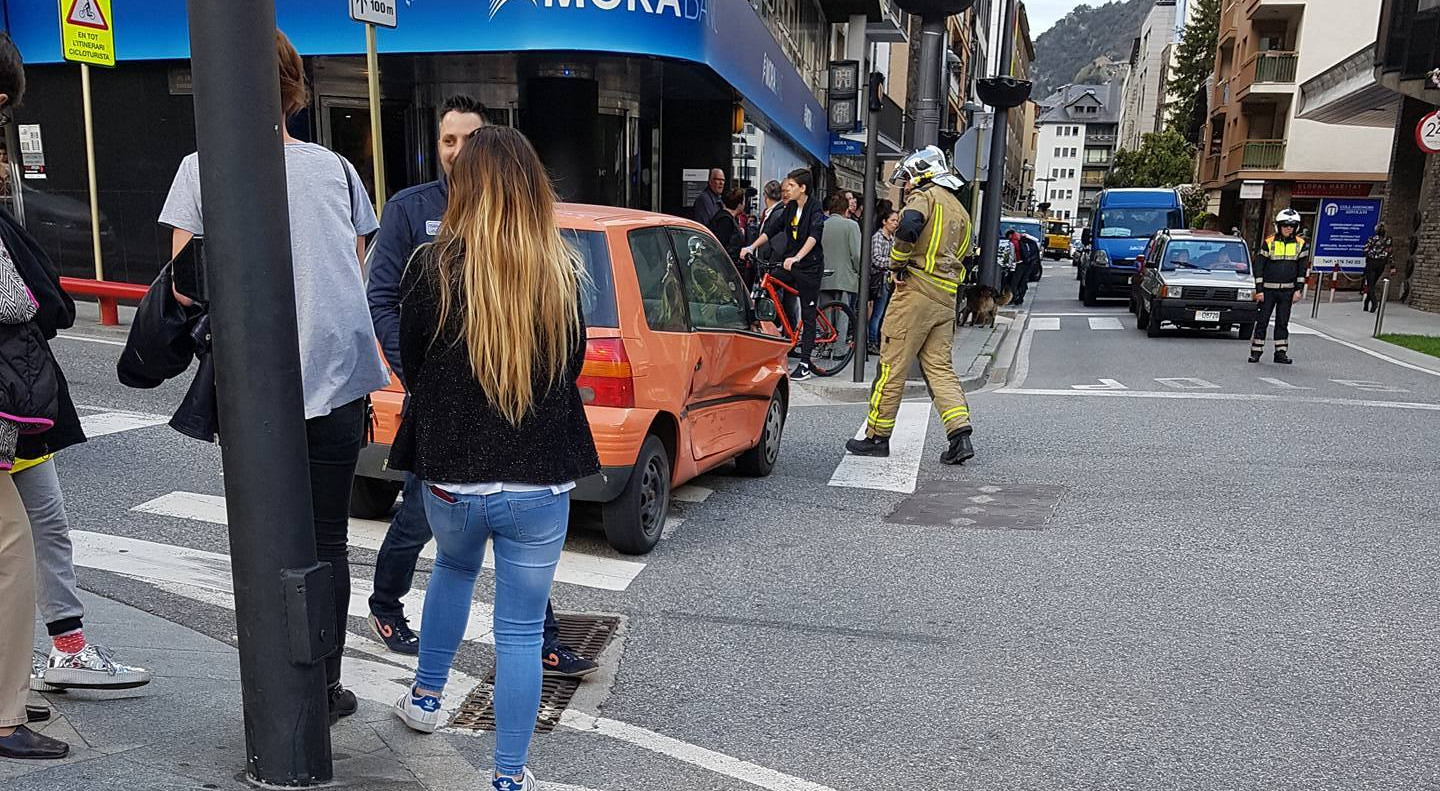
{"x":1207,"y":315}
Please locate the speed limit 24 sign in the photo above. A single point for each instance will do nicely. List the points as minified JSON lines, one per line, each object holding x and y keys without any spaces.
{"x":1427,"y":134}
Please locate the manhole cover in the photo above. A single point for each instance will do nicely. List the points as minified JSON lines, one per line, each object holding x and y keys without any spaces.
{"x":980,"y":507}
{"x":587,"y":634}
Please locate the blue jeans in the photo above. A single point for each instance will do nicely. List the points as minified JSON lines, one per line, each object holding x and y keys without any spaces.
{"x":877,"y":315}
{"x":528,"y":529}
{"x":395,"y":564}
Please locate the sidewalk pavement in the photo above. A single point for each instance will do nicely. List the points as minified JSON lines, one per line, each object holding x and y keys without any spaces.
{"x":1346,"y":320}
{"x":184,"y":729}
{"x":973,"y":355}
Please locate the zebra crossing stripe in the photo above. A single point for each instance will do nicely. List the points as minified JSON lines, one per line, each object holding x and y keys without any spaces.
{"x":575,"y":568}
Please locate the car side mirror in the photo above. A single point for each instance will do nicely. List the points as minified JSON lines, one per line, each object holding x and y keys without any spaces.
{"x":765,"y":310}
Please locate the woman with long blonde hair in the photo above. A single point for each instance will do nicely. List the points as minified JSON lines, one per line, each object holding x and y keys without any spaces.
{"x":492,"y":340}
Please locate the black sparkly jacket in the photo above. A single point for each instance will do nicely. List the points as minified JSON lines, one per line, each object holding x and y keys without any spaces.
{"x":452,"y":434}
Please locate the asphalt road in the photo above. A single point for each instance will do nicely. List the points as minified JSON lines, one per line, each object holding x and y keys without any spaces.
{"x":1165,"y":569}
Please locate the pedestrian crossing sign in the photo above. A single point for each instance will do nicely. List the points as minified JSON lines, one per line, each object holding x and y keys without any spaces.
{"x":86,"y":35}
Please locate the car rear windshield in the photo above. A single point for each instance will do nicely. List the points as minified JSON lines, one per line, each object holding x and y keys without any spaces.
{"x":1060,"y":228}
{"x":597,"y":297}
{"x":1219,"y":256}
{"x":1136,"y":223}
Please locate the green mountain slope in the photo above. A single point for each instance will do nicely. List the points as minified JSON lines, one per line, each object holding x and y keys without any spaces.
{"x":1084,"y":36}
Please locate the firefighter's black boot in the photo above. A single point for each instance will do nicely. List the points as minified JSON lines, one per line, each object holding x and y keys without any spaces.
{"x":1283,"y":358}
{"x":960,"y":449}
{"x":869,"y":446}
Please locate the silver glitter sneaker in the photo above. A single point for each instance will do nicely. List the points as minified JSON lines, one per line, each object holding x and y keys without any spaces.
{"x":38,"y":661}
{"x":94,"y":667}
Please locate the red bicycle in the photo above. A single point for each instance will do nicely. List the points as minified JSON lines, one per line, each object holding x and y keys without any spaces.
{"x":831,"y":352}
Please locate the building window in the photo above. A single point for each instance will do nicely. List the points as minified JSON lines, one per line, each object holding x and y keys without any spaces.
{"x":1057,"y":152}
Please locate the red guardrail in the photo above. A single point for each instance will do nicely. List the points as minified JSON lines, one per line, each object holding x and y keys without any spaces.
{"x":107,"y":293}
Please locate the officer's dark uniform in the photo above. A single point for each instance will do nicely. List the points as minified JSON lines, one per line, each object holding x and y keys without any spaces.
{"x":1280,"y":267}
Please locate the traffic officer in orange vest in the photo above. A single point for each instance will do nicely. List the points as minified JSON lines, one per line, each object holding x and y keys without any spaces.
{"x":927,"y":259}
{"x":1280,"y":267}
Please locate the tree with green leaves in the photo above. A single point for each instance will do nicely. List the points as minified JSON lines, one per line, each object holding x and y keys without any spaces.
{"x":1194,"y":63}
{"x":1164,"y":159}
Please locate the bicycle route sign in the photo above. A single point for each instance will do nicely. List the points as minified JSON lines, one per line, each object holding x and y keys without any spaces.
{"x":86,"y":32}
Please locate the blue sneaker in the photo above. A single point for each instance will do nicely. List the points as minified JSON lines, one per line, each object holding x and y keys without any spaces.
{"x":561,"y":661}
{"x":420,"y":712}
{"x":504,"y":783}
{"x":394,"y":632}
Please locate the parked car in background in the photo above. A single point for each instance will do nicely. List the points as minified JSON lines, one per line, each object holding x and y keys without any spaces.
{"x":1196,"y":280}
{"x":1123,"y":224}
{"x":1028,"y":226}
{"x":679,"y":377}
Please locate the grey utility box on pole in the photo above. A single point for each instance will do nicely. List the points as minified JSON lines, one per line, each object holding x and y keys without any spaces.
{"x":284,"y":606}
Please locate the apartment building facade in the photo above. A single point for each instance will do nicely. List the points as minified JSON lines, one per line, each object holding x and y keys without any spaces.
{"x":1256,"y":134}
{"x":1078,"y":133}
{"x":1146,"y":97}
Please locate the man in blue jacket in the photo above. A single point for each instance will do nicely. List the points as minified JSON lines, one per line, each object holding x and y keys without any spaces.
{"x":412,"y":218}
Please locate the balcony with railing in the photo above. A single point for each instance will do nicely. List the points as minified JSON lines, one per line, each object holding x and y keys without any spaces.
{"x":1098,"y":159}
{"x":1092,"y":178}
{"x":1267,"y":72}
{"x":1219,"y":96}
{"x":1255,"y":155}
{"x":1210,"y":169}
{"x":1230,"y":12}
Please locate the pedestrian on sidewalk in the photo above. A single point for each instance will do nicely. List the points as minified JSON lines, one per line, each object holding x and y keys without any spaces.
{"x":496,"y":427}
{"x":1280,"y":268}
{"x":412,"y":219}
{"x":1027,"y":250}
{"x":726,"y":227}
{"x":840,"y":243}
{"x":29,"y":404}
{"x":1379,"y":255}
{"x":880,"y":282}
{"x":796,"y":229}
{"x":707,"y":203}
{"x":330,"y":216}
{"x":931,"y":245}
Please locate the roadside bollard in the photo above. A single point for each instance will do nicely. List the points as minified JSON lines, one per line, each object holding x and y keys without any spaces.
{"x":1319,"y":287}
{"x":1380,"y":308}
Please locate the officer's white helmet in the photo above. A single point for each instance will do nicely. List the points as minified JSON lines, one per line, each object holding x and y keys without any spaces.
{"x":1287,"y":217}
{"x":927,"y":164}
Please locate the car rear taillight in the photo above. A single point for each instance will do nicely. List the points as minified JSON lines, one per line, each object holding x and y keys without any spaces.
{"x":606,"y":379}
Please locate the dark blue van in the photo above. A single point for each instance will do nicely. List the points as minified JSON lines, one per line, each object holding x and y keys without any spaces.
{"x":1121,"y":228}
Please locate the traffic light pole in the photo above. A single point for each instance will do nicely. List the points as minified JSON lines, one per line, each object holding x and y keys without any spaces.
{"x":928,"y":101}
{"x":995,"y":184}
{"x":873,"y":85}
{"x":283,"y":599}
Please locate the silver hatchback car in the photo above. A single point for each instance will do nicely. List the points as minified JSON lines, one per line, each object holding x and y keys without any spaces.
{"x":1196,"y":280}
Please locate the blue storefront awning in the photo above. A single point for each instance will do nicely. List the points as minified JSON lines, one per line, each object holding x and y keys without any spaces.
{"x":726,"y":35}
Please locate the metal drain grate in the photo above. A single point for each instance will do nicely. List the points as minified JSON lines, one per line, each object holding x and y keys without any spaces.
{"x":587,"y":634}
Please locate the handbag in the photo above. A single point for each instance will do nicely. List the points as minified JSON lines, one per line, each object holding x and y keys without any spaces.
{"x":159,"y":346}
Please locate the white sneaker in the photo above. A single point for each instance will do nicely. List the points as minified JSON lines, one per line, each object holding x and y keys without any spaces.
{"x":93,"y":667}
{"x":38,"y":661}
{"x":421,"y":713}
{"x":529,"y":783}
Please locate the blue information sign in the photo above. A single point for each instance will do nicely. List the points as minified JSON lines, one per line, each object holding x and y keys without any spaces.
{"x":845,"y":147}
{"x":1344,"y":225}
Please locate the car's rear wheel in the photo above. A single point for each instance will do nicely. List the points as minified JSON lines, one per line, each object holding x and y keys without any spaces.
{"x":829,"y":359}
{"x":760,"y":460}
{"x":634,"y":520}
{"x":1090,"y":293}
{"x":372,"y":498}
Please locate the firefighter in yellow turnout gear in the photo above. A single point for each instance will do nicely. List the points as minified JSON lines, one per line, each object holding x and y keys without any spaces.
{"x":930,"y":247}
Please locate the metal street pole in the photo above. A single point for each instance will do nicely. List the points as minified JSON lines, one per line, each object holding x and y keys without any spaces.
{"x":90,"y":171}
{"x":867,"y":230}
{"x":284,"y":609}
{"x":995,"y":186}
{"x":928,"y":103}
{"x":377,"y":140}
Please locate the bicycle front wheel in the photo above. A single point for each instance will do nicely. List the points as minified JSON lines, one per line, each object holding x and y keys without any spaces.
{"x":833,"y":349}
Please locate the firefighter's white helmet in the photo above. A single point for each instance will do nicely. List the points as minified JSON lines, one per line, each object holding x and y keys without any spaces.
{"x":927,"y":164}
